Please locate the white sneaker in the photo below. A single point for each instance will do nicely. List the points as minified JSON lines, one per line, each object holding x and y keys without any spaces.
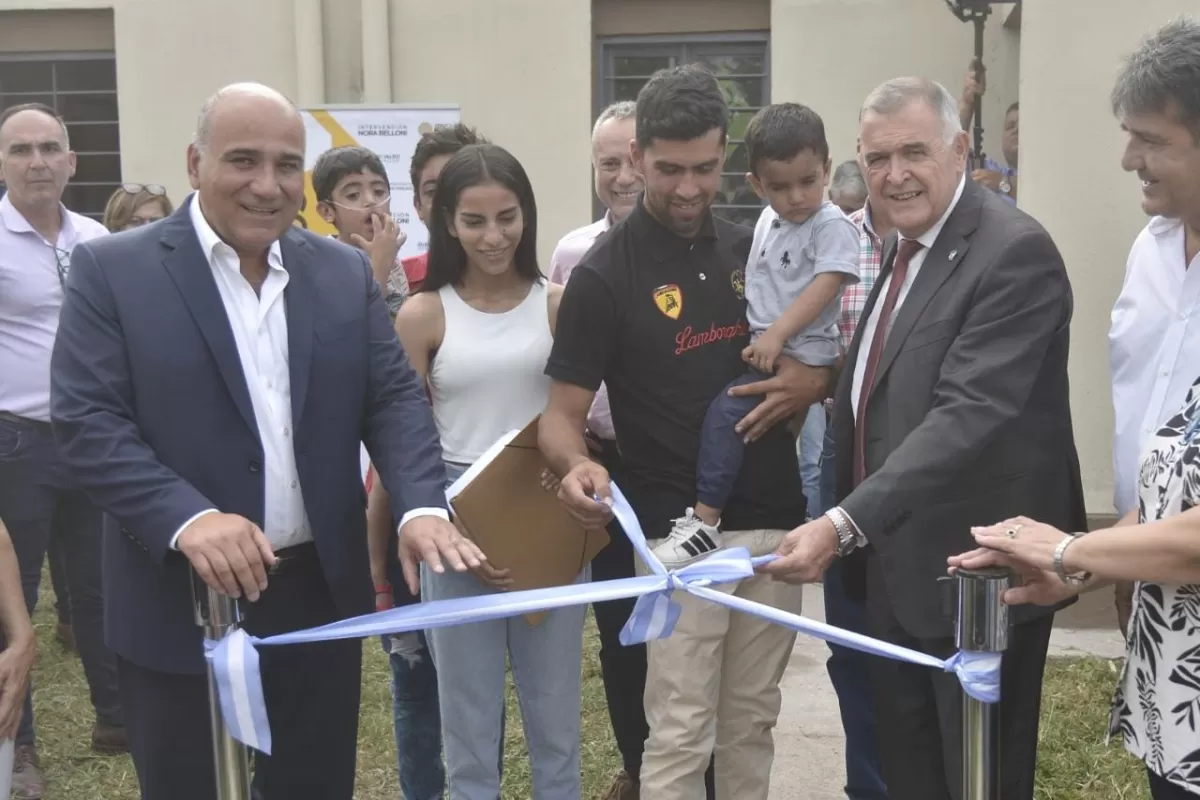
{"x":690,"y":540}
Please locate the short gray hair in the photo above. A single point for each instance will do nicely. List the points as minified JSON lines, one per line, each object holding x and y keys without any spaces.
{"x":1163,"y":72}
{"x":894,"y":95}
{"x":203,"y":134}
{"x":622,"y":109}
{"x":848,"y":180}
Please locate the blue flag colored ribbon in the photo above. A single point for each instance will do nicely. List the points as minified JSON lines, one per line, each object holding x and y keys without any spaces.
{"x":235,"y":665}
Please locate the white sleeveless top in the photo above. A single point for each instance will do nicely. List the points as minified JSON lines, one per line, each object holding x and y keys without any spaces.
{"x":488,"y":377}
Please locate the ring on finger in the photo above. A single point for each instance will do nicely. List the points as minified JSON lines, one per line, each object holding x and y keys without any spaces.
{"x":1012,"y":530}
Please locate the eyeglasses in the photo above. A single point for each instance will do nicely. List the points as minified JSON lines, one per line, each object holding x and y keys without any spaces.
{"x":148,"y":188}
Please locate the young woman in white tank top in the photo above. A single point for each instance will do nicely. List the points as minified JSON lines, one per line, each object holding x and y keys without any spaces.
{"x":480,"y":331}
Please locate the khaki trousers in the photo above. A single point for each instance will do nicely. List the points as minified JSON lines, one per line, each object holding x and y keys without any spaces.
{"x":712,"y":687}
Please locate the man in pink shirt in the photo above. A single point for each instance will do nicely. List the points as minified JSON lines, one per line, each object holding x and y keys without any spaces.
{"x":618,"y":185}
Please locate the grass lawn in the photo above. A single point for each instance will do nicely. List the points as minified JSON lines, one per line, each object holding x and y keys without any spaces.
{"x":1074,"y":762}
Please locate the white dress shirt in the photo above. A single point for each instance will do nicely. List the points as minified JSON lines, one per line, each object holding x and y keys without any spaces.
{"x":32,"y":275}
{"x":259,"y":323}
{"x":1154,"y":347}
{"x":914,"y":267}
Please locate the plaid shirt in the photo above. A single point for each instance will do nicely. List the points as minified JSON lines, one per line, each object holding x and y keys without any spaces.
{"x":854,"y":298}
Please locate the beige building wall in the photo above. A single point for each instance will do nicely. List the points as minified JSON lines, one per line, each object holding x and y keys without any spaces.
{"x":522,"y":72}
{"x":1071,"y":180}
{"x":829,"y":54}
{"x":341,"y":26}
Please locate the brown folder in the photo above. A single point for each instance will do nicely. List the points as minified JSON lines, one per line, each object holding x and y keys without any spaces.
{"x":500,"y":503}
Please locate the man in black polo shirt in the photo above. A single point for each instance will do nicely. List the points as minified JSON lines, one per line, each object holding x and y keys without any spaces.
{"x":656,"y":311}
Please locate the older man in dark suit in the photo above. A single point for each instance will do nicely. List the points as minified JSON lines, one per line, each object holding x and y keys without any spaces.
{"x":213,"y":376}
{"x":952,"y":411}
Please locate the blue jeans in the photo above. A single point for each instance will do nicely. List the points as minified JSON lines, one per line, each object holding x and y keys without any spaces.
{"x":416,"y":717}
{"x":37,"y":503}
{"x":546,"y":664}
{"x":721,"y":447}
{"x":849,"y":669}
{"x":809,"y":451}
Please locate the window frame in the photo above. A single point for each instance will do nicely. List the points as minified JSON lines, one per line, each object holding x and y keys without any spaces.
{"x":54,"y":93}
{"x":687,"y":49}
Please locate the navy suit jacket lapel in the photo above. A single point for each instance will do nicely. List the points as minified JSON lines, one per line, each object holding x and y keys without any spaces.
{"x":300,"y":296}
{"x":188,"y":267}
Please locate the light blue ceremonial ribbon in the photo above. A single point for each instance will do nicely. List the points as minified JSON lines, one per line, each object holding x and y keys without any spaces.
{"x":234,"y":659}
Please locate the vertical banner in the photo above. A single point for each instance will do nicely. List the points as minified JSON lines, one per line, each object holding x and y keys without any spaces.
{"x":391,"y":132}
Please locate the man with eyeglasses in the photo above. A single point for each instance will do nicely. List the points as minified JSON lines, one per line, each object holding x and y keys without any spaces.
{"x":37,"y":498}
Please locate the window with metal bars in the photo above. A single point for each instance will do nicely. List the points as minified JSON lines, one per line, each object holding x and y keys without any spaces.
{"x":741,"y":63}
{"x":82,"y":88}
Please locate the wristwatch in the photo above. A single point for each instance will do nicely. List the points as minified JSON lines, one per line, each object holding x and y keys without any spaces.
{"x":847,"y":539}
{"x":1005,"y":186}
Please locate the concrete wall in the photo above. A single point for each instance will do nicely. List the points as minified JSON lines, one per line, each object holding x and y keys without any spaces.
{"x":522,"y":72}
{"x":829,"y":54}
{"x":1071,"y":180}
{"x":341,"y":22}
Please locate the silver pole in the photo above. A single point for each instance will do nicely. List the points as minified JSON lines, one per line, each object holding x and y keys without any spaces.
{"x":219,"y":615}
{"x":982,"y":628}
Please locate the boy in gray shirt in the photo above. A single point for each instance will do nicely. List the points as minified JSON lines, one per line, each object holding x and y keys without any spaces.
{"x":805,"y":251}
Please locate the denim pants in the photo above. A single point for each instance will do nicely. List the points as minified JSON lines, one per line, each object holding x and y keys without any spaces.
{"x":849,"y":670}
{"x":809,"y":451}
{"x":546,"y":663}
{"x":721,"y":447}
{"x":38,"y":502}
{"x":416,"y":717}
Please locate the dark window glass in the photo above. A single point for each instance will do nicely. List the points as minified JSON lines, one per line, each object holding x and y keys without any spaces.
{"x":94,"y":137}
{"x":26,"y":76}
{"x":93,"y":74}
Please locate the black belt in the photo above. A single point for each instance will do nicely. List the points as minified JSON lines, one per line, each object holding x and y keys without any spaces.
{"x":289,"y":558}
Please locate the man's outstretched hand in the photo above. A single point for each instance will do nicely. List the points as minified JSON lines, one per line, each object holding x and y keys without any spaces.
{"x":434,"y":540}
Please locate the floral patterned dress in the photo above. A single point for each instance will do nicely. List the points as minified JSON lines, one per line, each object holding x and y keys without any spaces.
{"x":1157,"y":704}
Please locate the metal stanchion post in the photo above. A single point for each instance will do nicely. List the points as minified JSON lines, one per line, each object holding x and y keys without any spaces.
{"x":982,"y":628}
{"x":218,"y":615}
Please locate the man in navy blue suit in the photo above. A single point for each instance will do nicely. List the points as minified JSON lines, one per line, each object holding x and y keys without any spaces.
{"x":213,"y":376}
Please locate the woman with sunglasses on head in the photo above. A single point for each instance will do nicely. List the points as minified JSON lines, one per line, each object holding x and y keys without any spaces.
{"x":480,"y":331}
{"x":135,"y":204}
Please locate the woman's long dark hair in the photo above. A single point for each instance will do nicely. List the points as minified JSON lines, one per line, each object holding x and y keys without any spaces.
{"x":474,"y":165}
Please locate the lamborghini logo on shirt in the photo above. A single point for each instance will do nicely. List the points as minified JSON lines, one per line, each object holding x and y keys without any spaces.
{"x":669,"y":300}
{"x":737,"y":279}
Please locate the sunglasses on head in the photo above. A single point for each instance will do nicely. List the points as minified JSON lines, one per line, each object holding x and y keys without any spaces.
{"x":148,"y":188}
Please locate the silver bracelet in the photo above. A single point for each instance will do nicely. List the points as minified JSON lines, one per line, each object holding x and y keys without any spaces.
{"x":1059,"y":552}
